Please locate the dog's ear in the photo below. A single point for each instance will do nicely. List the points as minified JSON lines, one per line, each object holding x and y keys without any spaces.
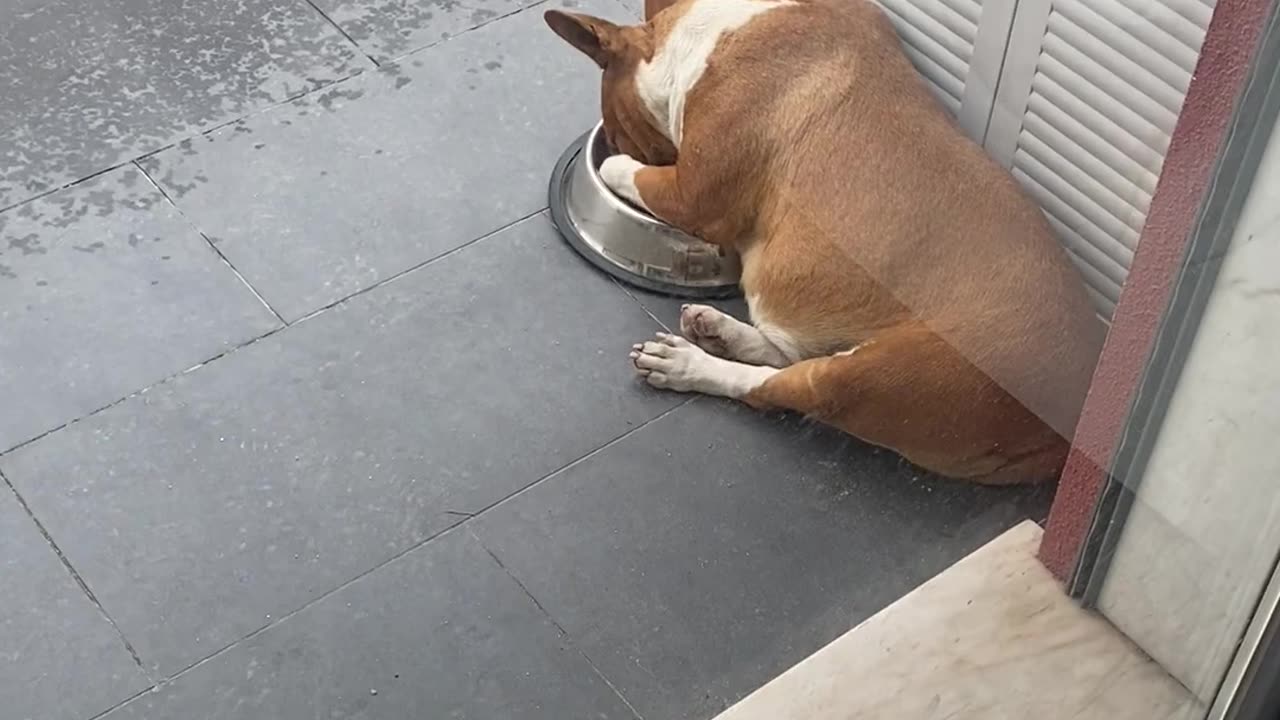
{"x":596,"y":38}
{"x":653,"y":7}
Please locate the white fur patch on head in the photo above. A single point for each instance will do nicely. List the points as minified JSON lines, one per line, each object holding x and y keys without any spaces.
{"x":664,"y":82}
{"x":619,"y":173}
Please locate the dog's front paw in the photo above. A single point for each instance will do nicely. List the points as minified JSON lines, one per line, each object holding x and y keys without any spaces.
{"x":672,"y":363}
{"x":703,"y":325}
{"x":619,"y":174}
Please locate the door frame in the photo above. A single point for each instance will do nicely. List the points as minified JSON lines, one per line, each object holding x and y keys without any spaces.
{"x":1251,"y":690}
{"x":1145,"y":339}
{"x":1251,"y":128}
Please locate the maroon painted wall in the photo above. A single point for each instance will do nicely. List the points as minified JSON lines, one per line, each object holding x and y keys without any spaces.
{"x":1219,"y":78}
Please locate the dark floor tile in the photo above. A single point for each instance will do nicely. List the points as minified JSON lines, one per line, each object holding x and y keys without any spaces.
{"x":88,"y":84}
{"x":387,"y":29}
{"x":666,"y":309}
{"x":442,"y":632}
{"x":59,"y":657}
{"x":248,"y":487}
{"x":330,"y":194}
{"x":701,"y":556}
{"x":106,"y":289}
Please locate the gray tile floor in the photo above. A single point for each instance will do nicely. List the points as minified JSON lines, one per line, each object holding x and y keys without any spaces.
{"x":305,"y":410}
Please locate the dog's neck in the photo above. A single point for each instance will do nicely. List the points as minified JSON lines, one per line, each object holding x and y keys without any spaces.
{"x":665,"y":81}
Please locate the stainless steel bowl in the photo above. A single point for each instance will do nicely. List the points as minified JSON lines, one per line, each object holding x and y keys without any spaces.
{"x":627,"y":242}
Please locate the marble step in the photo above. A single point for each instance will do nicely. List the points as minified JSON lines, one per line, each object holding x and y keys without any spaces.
{"x":993,"y":637}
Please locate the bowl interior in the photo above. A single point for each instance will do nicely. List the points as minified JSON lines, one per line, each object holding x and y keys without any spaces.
{"x":627,"y":242}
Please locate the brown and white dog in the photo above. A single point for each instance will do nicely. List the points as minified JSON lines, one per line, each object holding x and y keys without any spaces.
{"x":901,"y":286}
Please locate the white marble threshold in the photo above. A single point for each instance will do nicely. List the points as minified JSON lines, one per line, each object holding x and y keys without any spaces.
{"x":991,"y":638}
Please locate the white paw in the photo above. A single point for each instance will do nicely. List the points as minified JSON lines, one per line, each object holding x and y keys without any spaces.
{"x":672,"y":363}
{"x":705,"y":326}
{"x":619,"y":173}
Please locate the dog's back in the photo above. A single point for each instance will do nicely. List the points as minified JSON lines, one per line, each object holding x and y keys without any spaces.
{"x":874,"y":209}
{"x":902,"y":286}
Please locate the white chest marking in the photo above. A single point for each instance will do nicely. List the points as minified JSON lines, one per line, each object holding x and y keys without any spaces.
{"x":665,"y":81}
{"x":783,"y":341}
{"x":786,"y":344}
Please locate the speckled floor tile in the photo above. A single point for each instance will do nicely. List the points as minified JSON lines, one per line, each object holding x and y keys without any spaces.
{"x":88,"y":84}
{"x":387,"y":29}
{"x":337,"y":191}
{"x":104,"y":290}
{"x":59,"y":657}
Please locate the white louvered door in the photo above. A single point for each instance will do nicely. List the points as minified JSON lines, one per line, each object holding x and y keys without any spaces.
{"x":958,"y":45}
{"x":1086,"y":104}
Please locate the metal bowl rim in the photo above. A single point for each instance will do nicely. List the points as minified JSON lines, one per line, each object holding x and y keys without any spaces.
{"x":563,"y":222}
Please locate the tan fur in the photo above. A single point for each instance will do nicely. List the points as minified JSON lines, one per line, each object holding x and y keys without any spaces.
{"x":862,"y":213}
{"x":627,"y":124}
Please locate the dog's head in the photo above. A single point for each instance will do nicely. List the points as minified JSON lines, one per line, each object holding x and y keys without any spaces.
{"x":620,"y":50}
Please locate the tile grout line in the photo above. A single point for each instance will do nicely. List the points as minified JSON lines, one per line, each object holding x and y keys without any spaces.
{"x":565,"y":633}
{"x":186,"y":138}
{"x":269,"y":333}
{"x":600,"y":674}
{"x":222,"y":256}
{"x":456,"y":527}
{"x":414,"y":268}
{"x":149,"y":689}
{"x":517,"y":581}
{"x":627,"y":291}
{"x":343,"y":32}
{"x":141,"y":391}
{"x":75,"y":575}
{"x":578,"y":461}
{"x":287,"y":100}
{"x":64,"y":186}
{"x":398,"y":58}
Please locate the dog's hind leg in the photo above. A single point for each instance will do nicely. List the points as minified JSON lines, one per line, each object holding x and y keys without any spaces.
{"x":730,"y":338}
{"x":908,"y":390}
